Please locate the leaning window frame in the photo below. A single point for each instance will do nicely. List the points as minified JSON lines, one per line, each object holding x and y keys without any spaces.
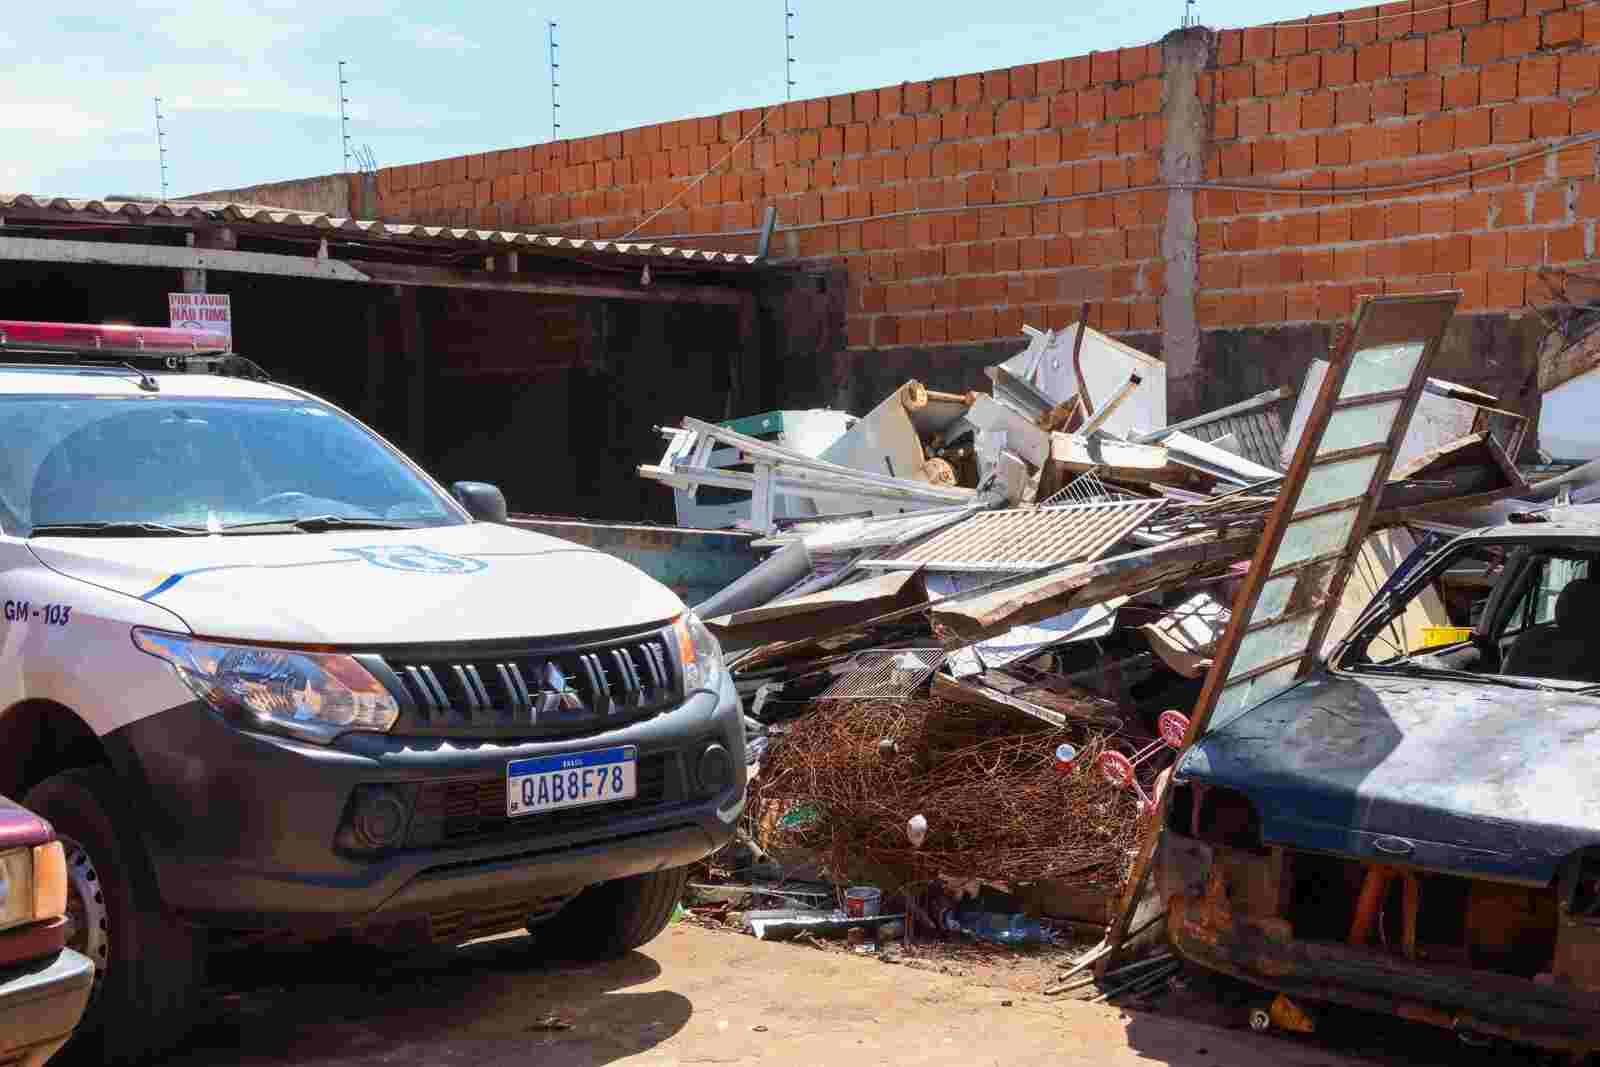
{"x":1385,"y":609}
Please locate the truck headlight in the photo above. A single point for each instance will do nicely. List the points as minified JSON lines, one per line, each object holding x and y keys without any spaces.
{"x":33,"y":884}
{"x":315,"y":696}
{"x":699,"y":653}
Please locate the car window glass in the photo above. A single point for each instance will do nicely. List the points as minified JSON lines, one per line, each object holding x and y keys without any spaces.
{"x":1558,"y":573}
{"x":1439,"y":613}
{"x":203,"y":463}
{"x":1536,"y":605}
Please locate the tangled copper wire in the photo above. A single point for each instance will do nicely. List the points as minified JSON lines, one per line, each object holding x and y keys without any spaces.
{"x":995,"y":805}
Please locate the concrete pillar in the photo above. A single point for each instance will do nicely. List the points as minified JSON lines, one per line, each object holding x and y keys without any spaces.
{"x":1184,"y":55}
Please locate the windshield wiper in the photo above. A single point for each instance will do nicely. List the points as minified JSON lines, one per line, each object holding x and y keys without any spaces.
{"x":1456,"y":675}
{"x":317,"y":523}
{"x":117,"y":528}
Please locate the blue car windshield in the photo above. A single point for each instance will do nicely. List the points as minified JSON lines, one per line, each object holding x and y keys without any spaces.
{"x":200,"y":464}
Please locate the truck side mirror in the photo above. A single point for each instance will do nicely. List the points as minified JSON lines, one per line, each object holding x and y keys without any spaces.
{"x":483,"y":501}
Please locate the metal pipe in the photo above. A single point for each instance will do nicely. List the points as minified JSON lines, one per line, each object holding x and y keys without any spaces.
{"x":1077,"y":364}
{"x":1373,"y":888}
{"x":1098,"y":418}
{"x":768,"y":222}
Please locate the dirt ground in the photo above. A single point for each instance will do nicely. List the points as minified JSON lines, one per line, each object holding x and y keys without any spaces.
{"x":697,"y":995}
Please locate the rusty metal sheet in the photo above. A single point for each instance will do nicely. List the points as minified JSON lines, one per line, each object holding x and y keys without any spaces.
{"x":316,"y":224}
{"x":1023,"y":539}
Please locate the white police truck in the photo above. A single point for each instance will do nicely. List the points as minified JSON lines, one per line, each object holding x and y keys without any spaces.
{"x":270,"y":681}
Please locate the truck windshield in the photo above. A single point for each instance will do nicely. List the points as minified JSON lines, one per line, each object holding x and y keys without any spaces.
{"x":152,"y":465}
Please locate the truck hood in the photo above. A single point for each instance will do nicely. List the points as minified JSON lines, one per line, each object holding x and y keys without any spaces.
{"x":1464,"y":777}
{"x":478,"y":581}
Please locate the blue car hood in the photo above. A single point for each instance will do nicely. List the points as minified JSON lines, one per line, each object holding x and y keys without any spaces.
{"x":1469,"y":778}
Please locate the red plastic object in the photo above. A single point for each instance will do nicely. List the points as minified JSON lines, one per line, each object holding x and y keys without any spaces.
{"x":1121,"y":770}
{"x":1173,"y":727}
{"x":84,"y":337}
{"x":1117,"y":768}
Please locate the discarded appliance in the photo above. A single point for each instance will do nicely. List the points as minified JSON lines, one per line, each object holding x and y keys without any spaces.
{"x":810,"y":433}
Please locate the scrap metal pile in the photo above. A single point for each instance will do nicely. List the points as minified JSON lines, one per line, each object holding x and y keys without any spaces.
{"x":984,"y":613}
{"x":987,"y":789}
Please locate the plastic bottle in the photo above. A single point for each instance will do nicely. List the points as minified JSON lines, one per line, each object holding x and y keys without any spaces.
{"x":1000,"y":929}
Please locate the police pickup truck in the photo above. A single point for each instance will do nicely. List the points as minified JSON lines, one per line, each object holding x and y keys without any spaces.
{"x":268,"y":680}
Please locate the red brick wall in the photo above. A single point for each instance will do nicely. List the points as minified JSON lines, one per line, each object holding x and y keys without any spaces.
{"x":1364,"y":97}
{"x":1347,"y":101}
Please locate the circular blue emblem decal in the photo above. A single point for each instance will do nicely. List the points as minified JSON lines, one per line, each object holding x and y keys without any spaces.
{"x":415,"y":559}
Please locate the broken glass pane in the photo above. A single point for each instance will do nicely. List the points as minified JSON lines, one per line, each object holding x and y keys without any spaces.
{"x":1381,"y":369}
{"x":1273,"y":643}
{"x":1333,"y":482}
{"x":1239,"y":697}
{"x":1317,"y":536}
{"x":1368,"y":424}
{"x":1274,"y":597}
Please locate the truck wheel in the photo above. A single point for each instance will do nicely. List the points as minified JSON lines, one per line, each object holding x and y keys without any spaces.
{"x":146,"y":963}
{"x":614,"y":918}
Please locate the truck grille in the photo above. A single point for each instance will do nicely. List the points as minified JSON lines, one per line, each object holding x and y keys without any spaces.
{"x":534,"y":692}
{"x":460,"y":808}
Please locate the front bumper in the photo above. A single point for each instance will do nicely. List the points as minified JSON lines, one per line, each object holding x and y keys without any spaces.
{"x":1209,"y":933}
{"x":249,"y":831}
{"x":40,"y":1003}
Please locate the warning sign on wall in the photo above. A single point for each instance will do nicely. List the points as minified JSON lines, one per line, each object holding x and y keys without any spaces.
{"x":202,"y":311}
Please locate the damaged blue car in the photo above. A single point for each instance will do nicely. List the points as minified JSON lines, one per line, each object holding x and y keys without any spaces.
{"x":1414,"y":827}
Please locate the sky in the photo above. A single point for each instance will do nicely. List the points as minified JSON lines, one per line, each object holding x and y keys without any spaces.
{"x":249,"y":90}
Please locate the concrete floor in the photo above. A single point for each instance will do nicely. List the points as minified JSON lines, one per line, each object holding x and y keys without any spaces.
{"x":692,"y":996}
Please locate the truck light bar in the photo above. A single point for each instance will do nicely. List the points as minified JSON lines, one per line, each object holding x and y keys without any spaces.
{"x":104,"y":341}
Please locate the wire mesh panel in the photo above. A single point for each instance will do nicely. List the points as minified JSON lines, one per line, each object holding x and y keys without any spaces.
{"x":1086,"y":488}
{"x":885,"y":674}
{"x":1020,"y":539}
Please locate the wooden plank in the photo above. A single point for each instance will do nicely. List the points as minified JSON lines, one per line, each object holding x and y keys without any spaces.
{"x":975,"y":618}
{"x":1456,"y":489}
{"x":101,"y":253}
{"x":1568,"y":361}
{"x":820,"y":613}
{"x":1468,"y":451}
{"x":550,"y":284}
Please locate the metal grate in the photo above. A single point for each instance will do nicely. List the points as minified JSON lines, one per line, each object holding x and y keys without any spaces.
{"x":884,"y":674}
{"x":1087,"y":488}
{"x":1021,"y":539}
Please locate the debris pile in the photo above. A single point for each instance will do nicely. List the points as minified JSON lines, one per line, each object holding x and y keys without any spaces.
{"x":986,"y":791}
{"x":985,"y":615}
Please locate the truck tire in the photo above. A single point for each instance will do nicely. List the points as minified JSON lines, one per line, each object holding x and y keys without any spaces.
{"x":147,"y":964}
{"x":614,"y":918}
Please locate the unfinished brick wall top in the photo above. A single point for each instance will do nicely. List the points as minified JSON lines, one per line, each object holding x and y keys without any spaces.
{"x":1368,"y":97}
{"x":1388,"y":96}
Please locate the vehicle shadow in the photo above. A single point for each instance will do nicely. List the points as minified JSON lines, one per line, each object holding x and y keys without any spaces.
{"x":1205,"y":1025}
{"x":487,"y":1003}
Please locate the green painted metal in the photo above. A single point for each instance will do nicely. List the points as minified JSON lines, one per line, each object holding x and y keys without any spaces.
{"x":770,"y":422}
{"x":692,"y":563}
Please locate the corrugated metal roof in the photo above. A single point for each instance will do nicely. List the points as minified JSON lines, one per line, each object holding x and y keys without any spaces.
{"x":1259,"y":434}
{"x":276,"y":218}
